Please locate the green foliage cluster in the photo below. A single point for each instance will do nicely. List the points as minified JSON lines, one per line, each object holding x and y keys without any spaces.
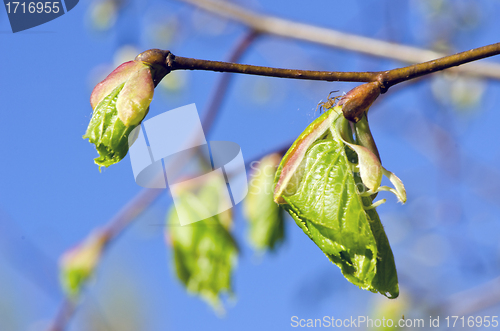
{"x":320,"y":186}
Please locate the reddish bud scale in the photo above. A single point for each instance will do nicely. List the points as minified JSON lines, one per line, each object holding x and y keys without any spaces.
{"x":358,"y":100}
{"x":157,"y":58}
{"x":136,"y":94}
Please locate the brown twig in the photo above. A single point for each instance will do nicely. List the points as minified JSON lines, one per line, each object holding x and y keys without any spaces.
{"x":359,"y":44}
{"x":166,"y":62}
{"x":183,"y":63}
{"x":64,"y":314}
{"x":395,"y":76}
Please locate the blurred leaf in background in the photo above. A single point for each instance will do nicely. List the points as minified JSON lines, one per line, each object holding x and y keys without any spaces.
{"x":102,"y":14}
{"x":265,"y":217}
{"x":464,"y":94}
{"x":78,"y":264}
{"x":393,"y":310}
{"x":205,"y":252}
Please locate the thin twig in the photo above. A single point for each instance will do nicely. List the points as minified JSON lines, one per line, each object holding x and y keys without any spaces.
{"x":183,"y":63}
{"x":64,"y":314}
{"x":166,"y":62}
{"x":120,"y":222}
{"x":395,"y":76}
{"x":310,"y":33}
{"x":474,"y":300}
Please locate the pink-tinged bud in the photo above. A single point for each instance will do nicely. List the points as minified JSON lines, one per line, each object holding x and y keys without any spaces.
{"x":112,"y":81}
{"x":137,"y":89}
{"x":358,"y":100}
{"x":134,"y":99}
{"x":78,"y":263}
{"x":291,"y":161}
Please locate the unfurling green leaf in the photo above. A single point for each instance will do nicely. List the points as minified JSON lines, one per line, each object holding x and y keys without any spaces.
{"x":107,"y":132}
{"x":266,"y":226}
{"x":322,"y":185}
{"x":77,"y":265}
{"x":205,"y":253}
{"x":120,"y":103}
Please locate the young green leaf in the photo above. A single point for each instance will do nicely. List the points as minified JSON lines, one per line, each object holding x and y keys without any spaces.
{"x":265,"y":218}
{"x":324,"y":196}
{"x":107,"y":132}
{"x":120,"y":103}
{"x":289,"y":166}
{"x":205,"y":252}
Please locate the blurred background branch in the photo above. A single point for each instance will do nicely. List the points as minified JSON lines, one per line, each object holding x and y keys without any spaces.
{"x":328,"y":37}
{"x":474,"y":300}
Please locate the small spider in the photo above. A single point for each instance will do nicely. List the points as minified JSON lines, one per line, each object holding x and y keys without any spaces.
{"x":330,"y":102}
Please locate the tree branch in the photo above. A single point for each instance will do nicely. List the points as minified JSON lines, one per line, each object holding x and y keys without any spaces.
{"x":179,"y":63}
{"x":64,"y":314}
{"x":474,"y":300}
{"x":166,"y":62}
{"x":395,"y":76}
{"x":300,"y":31}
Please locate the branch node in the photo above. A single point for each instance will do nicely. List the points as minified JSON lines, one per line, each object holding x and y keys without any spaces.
{"x":358,"y":100}
{"x":382,"y":80}
{"x":157,"y":59}
{"x":169,"y":61}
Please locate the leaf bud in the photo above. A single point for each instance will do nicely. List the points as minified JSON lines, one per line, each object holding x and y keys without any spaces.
{"x":358,"y":100}
{"x":77,"y":264}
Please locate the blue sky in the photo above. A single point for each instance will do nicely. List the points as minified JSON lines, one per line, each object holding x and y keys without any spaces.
{"x":445,"y":239}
